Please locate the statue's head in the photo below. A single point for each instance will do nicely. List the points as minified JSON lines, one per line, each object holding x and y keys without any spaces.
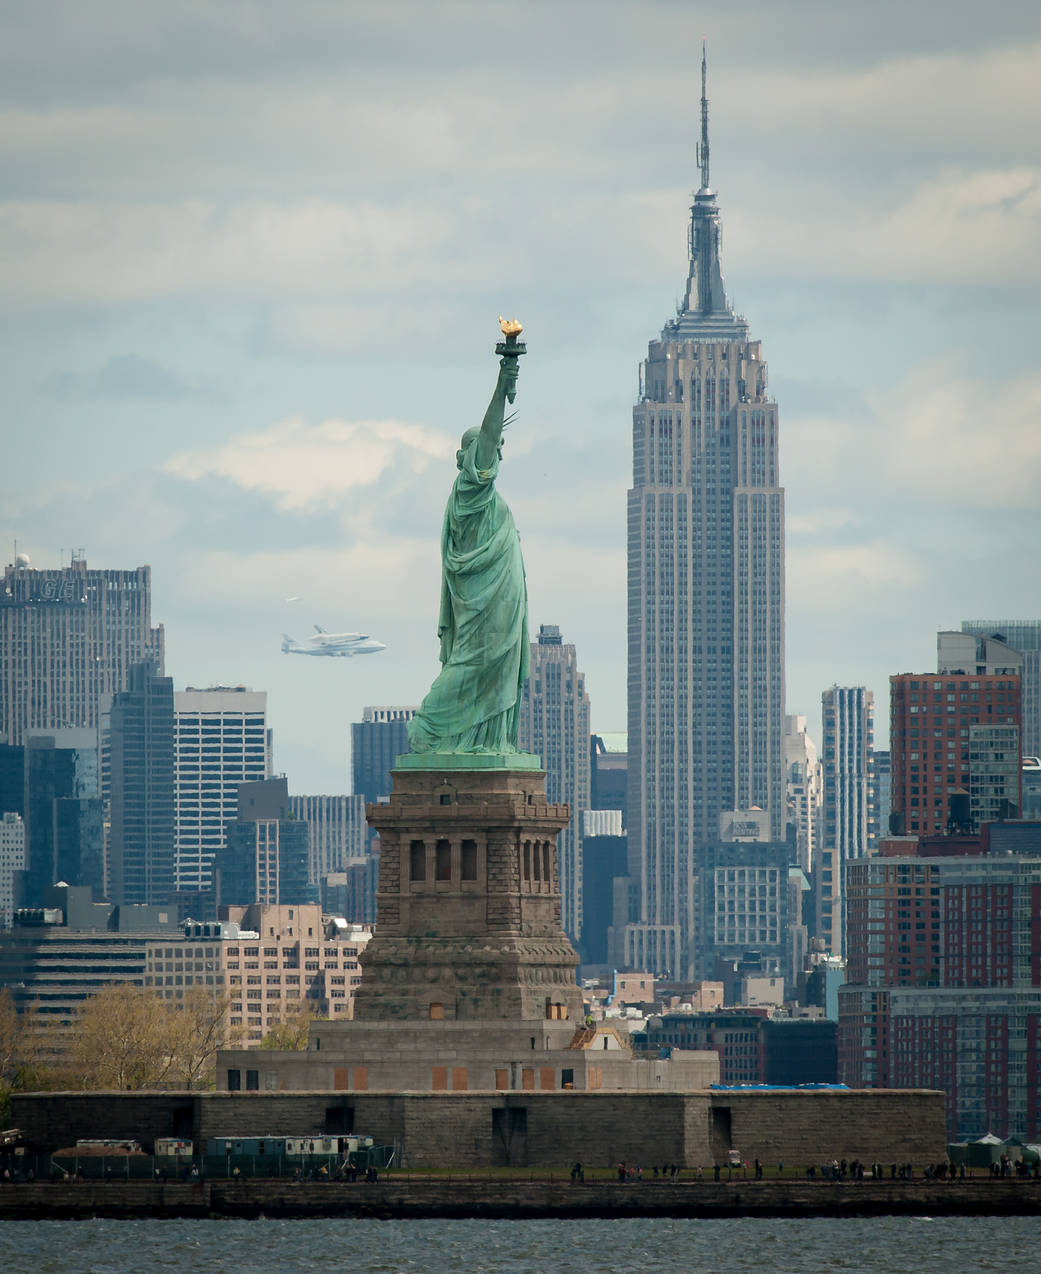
{"x":469,"y":437}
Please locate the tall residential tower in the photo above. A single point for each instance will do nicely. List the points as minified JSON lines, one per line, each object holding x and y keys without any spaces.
{"x":849,"y":814}
{"x":706,"y":597}
{"x":554,"y":724}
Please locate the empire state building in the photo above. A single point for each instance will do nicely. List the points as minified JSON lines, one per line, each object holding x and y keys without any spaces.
{"x":705,"y":601}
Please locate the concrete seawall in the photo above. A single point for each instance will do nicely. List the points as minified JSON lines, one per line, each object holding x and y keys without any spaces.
{"x":512,"y":1199}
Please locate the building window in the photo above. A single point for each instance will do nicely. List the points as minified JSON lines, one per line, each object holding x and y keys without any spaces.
{"x":469,"y":860}
{"x":418,"y":865}
{"x":444,"y":860}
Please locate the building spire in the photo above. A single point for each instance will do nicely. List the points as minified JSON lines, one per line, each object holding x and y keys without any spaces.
{"x":705,"y":308}
{"x":702,"y":150}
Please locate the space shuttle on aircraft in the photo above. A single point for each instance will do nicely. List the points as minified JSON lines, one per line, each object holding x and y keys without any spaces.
{"x":338,"y":645}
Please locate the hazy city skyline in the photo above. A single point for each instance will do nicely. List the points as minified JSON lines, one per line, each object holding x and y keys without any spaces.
{"x":254,"y":256}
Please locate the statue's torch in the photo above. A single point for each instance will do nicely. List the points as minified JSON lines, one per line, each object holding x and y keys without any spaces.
{"x":511,"y":348}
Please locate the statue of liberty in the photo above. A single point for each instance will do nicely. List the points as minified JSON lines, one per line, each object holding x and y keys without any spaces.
{"x":472,"y":705}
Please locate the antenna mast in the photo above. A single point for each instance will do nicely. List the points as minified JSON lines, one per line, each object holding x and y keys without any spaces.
{"x":702,"y":150}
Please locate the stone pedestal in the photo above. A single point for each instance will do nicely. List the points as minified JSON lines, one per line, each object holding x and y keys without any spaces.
{"x":468,"y":918}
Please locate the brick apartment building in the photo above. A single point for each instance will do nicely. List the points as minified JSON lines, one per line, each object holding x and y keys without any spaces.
{"x":953,"y":734}
{"x":944,"y":976}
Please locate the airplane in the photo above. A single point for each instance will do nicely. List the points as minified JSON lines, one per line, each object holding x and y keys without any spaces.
{"x":341,"y":645}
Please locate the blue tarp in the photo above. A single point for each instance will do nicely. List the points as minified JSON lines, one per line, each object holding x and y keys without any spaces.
{"x":778,"y":1088}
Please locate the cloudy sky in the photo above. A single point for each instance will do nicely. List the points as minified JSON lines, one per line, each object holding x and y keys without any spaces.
{"x":252,"y":255}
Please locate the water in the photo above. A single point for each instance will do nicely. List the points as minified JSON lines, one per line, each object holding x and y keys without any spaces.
{"x":889,"y":1245}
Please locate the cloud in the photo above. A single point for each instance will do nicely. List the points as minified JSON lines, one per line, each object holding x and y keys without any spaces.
{"x":820,"y":521}
{"x":307,"y":198}
{"x":306,"y":467}
{"x":857,"y":577}
{"x":983,"y":224}
{"x":124,"y":376}
{"x":960,"y":442}
{"x":941,"y":437}
{"x":111,"y":252}
{"x":961,"y":103}
{"x":970,"y":226}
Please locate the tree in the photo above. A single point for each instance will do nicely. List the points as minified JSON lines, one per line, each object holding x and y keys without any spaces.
{"x":123,"y":1037}
{"x":22,"y":1051}
{"x":131,"y":1037}
{"x":10,"y":1039}
{"x":202,"y":1027}
{"x":290,"y":1035}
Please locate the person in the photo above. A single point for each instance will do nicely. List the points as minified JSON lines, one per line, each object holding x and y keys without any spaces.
{"x":472,"y":706}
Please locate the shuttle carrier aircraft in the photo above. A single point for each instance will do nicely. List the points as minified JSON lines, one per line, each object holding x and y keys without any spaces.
{"x":340,"y":645}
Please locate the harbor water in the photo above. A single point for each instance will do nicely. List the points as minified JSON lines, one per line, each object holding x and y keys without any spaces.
{"x":888,"y":1245}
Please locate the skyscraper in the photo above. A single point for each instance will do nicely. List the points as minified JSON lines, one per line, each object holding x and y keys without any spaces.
{"x":706,"y":596}
{"x":142,"y":789}
{"x":554,"y":724}
{"x":883,"y":791}
{"x":803,"y":790}
{"x":264,"y":856}
{"x":377,"y":740}
{"x":12,"y":779}
{"x":12,"y":861}
{"x":64,"y":824}
{"x":221,"y":741}
{"x":1024,"y":636}
{"x":848,"y":813}
{"x":335,"y":831}
{"x":69,"y":637}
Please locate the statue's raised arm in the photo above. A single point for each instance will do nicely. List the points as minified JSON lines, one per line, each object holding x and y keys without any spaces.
{"x":472,"y":705}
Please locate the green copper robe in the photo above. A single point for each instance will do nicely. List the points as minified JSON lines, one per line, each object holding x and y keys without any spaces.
{"x":472,"y":705}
